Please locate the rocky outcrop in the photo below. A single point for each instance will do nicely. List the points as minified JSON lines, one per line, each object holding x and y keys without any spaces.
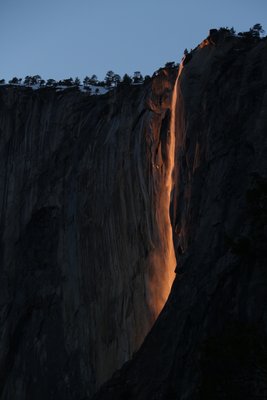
{"x":83,"y":266}
{"x":210,"y":341}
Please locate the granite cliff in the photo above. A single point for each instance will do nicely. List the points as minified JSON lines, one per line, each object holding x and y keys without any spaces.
{"x":96,"y":195}
{"x":84,"y":270}
{"x":210,"y":341}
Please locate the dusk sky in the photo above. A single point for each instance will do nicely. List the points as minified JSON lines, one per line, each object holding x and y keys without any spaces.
{"x":62,"y":38}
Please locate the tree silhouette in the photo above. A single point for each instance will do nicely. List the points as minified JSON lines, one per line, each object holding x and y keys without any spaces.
{"x":28,"y":80}
{"x":93,"y":79}
{"x":14,"y":81}
{"x":170,"y":64}
{"x":109,"y":78}
{"x":257,"y":30}
{"x":126,"y":80}
{"x":86,"y":81}
{"x":37,"y":79}
{"x":138,"y":77}
{"x":66,"y":82}
{"x":116,"y":79}
{"x":254,"y":33}
{"x":147,"y":78}
{"x":50,"y":82}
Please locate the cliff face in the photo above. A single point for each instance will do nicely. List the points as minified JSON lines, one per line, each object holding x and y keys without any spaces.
{"x":84,"y":271}
{"x":86,"y":243}
{"x":210,"y":341}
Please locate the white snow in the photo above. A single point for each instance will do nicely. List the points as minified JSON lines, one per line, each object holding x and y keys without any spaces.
{"x":90,"y":89}
{"x":98,"y":90}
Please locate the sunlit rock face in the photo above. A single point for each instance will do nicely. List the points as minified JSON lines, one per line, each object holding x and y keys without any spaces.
{"x":210,"y":341}
{"x":84,"y":271}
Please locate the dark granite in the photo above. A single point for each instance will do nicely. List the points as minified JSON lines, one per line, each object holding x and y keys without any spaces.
{"x":78,"y":192}
{"x":210,"y":341}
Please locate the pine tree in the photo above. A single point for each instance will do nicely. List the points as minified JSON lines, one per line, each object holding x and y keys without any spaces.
{"x":50,"y":82}
{"x":14,"y":81}
{"x":257,"y":30}
{"x":86,"y":81}
{"x":28,"y":80}
{"x":126,"y":80}
{"x":93,"y":79}
{"x":116,"y":79}
{"x":138,"y":77}
{"x":109,"y":78}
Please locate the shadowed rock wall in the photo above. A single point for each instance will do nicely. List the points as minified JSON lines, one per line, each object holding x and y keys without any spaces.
{"x":79,"y":177}
{"x":210,"y":341}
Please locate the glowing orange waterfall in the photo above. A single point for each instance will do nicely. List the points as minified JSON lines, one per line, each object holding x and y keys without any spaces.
{"x":170,"y":253}
{"x":163,"y":258}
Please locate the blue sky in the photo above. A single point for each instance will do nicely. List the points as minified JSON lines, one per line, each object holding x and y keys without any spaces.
{"x":63,"y":38}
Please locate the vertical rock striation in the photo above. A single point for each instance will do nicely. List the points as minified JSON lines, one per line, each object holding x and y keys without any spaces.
{"x":80,"y":179}
{"x":210,"y":341}
{"x":86,"y":245}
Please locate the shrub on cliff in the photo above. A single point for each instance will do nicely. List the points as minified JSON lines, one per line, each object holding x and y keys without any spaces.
{"x":66,"y":82}
{"x":170,"y":64}
{"x":93,"y":80}
{"x":147,"y":78}
{"x":126,"y":80}
{"x":109,"y":78}
{"x":257,"y":30}
{"x":227,"y":30}
{"x":51,"y":82}
{"x":14,"y":81}
{"x":138,"y":77}
{"x":32,"y":80}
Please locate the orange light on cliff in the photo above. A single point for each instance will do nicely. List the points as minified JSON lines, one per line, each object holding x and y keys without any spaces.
{"x":163,"y":259}
{"x":170,"y":256}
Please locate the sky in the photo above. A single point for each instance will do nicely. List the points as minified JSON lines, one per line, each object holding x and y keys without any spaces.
{"x":67,"y":38}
